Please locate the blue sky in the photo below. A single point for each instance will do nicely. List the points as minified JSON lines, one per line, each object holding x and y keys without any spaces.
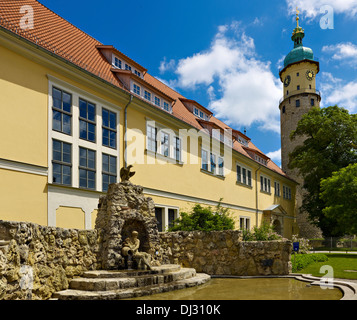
{"x":226,"y":54}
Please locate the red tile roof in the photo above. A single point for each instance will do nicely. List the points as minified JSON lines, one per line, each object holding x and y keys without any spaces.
{"x":62,"y":38}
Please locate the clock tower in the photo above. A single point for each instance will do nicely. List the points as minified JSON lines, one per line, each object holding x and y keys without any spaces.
{"x":299,"y":96}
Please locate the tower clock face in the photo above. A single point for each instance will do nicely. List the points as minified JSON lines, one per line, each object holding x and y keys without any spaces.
{"x":287,"y":80}
{"x":310,"y":74}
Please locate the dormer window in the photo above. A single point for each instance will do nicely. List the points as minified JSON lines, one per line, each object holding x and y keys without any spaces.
{"x":157,"y":101}
{"x":195,"y":112}
{"x":127,"y":67}
{"x":117,"y":62}
{"x":136,"y":89}
{"x":137,"y":73}
{"x":166,"y":106}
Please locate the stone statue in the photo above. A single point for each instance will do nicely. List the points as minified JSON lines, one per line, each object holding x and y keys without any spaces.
{"x":125,"y":173}
{"x":131,"y":250}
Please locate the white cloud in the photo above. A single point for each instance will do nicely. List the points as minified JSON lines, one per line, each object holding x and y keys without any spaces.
{"x":242,"y":89}
{"x":165,"y":66}
{"x":336,"y":91}
{"x":312,"y":8}
{"x":344,"y":52}
{"x":275,"y":156}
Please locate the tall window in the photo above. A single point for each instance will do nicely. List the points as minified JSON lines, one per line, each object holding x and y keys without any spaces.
{"x":220,"y":166}
{"x":277,"y":188}
{"x":86,"y":168}
{"x":109,"y":170}
{"x":61,"y":111}
{"x":86,"y":120}
{"x":286,"y":193}
{"x":244,"y":175}
{"x":204,"y":160}
{"x":151,"y":138}
{"x":165,"y":144}
{"x":264,"y":184}
{"x":177,"y":149}
{"x":109,"y":128}
{"x":62,"y":162}
{"x":213,"y":163}
{"x":244,"y":223}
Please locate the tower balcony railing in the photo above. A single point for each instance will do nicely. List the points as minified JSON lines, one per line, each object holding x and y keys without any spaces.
{"x":301,"y":91}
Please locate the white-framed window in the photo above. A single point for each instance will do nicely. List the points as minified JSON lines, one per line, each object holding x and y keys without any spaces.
{"x":177,"y":149}
{"x":165,"y":144}
{"x":151,"y":138}
{"x":166,"y":106}
{"x":147,"y":95}
{"x":204,"y":160}
{"x":76,"y":160}
{"x":127,"y":67}
{"x":136,"y":89}
{"x":165,"y":216}
{"x":117,"y":62}
{"x":264,"y":184}
{"x":157,"y":101}
{"x":137,"y":73}
{"x":244,"y":223}
{"x":286,"y":193}
{"x":212,"y":163}
{"x":244,"y":175}
{"x":195,"y":112}
{"x":277,"y":188}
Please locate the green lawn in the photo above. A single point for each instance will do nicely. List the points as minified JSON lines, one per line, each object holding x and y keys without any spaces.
{"x":339,"y":262}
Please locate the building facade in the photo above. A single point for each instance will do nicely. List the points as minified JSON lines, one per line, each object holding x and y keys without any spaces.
{"x":299,"y":96}
{"x":74,"y":111}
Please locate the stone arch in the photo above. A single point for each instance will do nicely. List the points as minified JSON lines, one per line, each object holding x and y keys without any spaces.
{"x":131,"y":225}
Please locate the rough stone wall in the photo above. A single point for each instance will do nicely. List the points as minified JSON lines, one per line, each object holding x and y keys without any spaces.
{"x":122,"y":210}
{"x":36,"y":261}
{"x":224,"y":253}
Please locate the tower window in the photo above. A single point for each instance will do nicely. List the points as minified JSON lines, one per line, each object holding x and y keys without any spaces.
{"x":287,"y":92}
{"x":283,"y":109}
{"x":298,"y":87}
{"x":297,"y":74}
{"x":309,"y":86}
{"x":297,"y":103}
{"x":312,"y":102}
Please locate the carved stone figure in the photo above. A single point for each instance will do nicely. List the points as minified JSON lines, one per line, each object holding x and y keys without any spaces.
{"x":131,"y":250}
{"x":125,"y":173}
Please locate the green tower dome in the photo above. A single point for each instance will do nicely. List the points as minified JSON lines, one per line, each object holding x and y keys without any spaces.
{"x":299,"y":52}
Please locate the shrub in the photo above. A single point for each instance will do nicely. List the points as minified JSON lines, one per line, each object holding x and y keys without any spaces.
{"x":300,"y":261}
{"x":263,"y":233}
{"x":204,"y":219}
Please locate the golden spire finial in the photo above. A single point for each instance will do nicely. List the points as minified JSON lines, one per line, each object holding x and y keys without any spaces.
{"x":297,"y":17}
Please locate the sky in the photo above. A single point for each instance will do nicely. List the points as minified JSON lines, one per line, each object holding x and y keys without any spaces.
{"x":226,"y":54}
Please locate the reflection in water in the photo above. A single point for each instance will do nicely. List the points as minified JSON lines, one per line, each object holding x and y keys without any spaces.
{"x":251,"y":289}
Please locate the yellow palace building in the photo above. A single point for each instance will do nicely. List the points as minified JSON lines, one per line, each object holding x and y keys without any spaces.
{"x":73,"y":111}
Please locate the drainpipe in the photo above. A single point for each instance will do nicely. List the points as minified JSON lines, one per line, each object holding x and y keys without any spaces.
{"x":256,"y":195}
{"x":126,"y":127}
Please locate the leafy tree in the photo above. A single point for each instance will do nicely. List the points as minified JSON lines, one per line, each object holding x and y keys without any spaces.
{"x":340,"y":195}
{"x":330,"y":144}
{"x":204,"y":219}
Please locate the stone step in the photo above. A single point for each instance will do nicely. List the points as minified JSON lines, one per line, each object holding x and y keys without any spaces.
{"x":133,"y":292}
{"x":116,"y":282}
{"x":131,"y":273}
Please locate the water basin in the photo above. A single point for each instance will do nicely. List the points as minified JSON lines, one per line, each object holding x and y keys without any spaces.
{"x":251,"y":289}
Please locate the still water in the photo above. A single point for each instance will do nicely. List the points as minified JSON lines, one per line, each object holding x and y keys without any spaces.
{"x":251,"y":289}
